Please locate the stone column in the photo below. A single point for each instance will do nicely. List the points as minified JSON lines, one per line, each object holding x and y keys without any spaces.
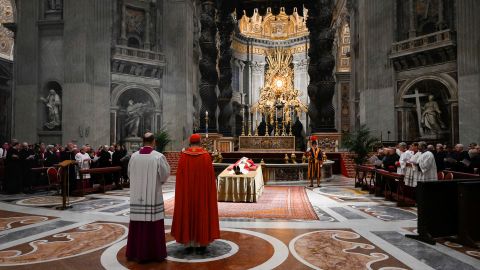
{"x":208,"y":66}
{"x":441,"y":19}
{"x":123,"y":34}
{"x":322,"y":85}
{"x":146,"y":40}
{"x":225,"y":25}
{"x":301,"y":83}
{"x":412,"y":32}
{"x":258,"y":79}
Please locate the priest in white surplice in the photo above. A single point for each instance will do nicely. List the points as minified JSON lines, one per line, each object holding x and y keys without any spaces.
{"x":405,"y":156}
{"x":426,"y":164}
{"x":147,"y":170}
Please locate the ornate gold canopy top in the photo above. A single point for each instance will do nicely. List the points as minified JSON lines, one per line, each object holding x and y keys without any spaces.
{"x":274,"y":27}
{"x":278,"y":91}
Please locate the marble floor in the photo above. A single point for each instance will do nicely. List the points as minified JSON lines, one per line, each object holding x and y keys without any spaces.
{"x":354,"y":230}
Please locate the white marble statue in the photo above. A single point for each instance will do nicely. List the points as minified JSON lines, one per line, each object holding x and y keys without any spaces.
{"x":135,"y":112}
{"x":431,"y":120}
{"x":53,"y":103}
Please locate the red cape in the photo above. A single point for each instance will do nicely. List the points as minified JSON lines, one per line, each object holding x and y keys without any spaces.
{"x":195,"y":216}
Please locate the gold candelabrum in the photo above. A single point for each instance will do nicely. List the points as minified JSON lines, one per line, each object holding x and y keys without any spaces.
{"x":279,"y":92}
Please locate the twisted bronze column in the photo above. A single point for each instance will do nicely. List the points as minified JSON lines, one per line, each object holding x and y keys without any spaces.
{"x":225,"y":25}
{"x":322,"y":84}
{"x":208,"y":66}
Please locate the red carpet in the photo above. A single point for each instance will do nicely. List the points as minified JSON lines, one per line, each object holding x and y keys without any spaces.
{"x":276,"y":202}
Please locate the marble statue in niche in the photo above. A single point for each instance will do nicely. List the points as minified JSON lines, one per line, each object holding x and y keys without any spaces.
{"x":54,"y":5}
{"x":431,"y":117}
{"x":135,"y":112}
{"x":53,"y":104}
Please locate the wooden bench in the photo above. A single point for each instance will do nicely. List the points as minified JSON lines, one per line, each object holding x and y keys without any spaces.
{"x":96,"y":171}
{"x":395,"y":188}
{"x":462,"y":175}
{"x":365,"y":177}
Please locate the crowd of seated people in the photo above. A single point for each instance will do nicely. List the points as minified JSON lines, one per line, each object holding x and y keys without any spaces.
{"x":18,"y":159}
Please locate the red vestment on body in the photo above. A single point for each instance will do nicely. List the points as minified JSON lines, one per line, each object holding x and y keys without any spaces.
{"x":195,"y":216}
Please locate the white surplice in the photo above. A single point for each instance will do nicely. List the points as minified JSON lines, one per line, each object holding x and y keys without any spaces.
{"x":83,"y":161}
{"x":404,"y":158}
{"x":147,"y":173}
{"x":428,"y":168}
{"x":411,"y":172}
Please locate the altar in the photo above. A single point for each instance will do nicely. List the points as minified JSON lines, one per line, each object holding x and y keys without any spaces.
{"x":240,"y":188}
{"x":266,"y":143}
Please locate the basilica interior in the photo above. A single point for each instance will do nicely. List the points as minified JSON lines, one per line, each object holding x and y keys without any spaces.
{"x":256,"y":79}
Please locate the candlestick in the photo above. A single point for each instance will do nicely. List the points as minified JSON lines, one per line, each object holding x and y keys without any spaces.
{"x":249,"y":128}
{"x":266,"y":125}
{"x":290,"y":134}
{"x":206,"y":124}
{"x":256,"y":123}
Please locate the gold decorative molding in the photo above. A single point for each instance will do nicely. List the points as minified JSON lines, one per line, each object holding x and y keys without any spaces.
{"x":274,"y":27}
{"x":266,"y":143}
{"x":259,"y":50}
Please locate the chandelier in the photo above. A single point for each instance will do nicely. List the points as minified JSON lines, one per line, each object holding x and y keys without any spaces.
{"x":278,"y":93}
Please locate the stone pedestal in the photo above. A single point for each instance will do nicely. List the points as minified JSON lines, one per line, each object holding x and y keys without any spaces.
{"x":50,"y":137}
{"x":132,"y":144}
{"x":327,"y":172}
{"x":328,"y":141}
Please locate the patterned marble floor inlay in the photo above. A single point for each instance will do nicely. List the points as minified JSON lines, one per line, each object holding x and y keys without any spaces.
{"x":12,"y":236}
{"x":292,"y":227}
{"x":322,"y":215}
{"x":217,"y":250}
{"x":10,"y":220}
{"x":116,"y":209}
{"x":423,"y":252}
{"x":347,"y":213}
{"x":341,"y":194}
{"x":47,"y":201}
{"x":94,"y":204}
{"x":341,"y":249}
{"x":84,"y":239}
{"x":387,"y":213}
{"x":473,"y":252}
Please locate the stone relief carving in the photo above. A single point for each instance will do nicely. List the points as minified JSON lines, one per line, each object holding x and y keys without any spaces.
{"x":53,"y":104}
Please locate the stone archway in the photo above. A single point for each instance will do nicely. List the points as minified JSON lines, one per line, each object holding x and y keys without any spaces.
{"x":426,"y":101}
{"x":148,"y":102}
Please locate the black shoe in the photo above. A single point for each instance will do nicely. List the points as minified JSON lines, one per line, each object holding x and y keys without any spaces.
{"x":201,"y":250}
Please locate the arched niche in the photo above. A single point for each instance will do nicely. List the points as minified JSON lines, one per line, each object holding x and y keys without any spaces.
{"x":412,"y":103}
{"x":51,"y":105}
{"x":124,"y":96}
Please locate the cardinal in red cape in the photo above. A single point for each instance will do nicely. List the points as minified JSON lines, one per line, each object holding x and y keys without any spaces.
{"x":195,"y":217}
